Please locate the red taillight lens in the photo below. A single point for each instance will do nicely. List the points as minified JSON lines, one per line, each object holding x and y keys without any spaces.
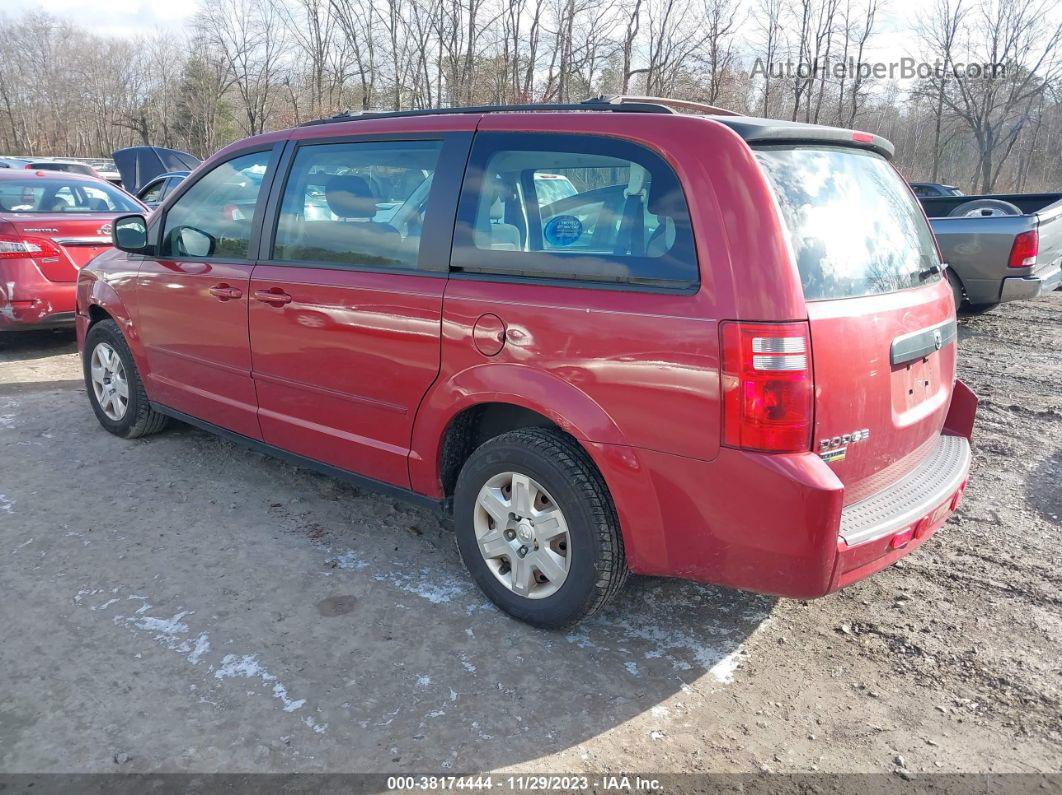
{"x":767,"y":386}
{"x":27,"y":248}
{"x":1026,"y":247}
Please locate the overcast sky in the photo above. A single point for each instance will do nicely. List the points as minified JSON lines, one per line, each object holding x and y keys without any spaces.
{"x":893,"y":39}
{"x":115,"y":17}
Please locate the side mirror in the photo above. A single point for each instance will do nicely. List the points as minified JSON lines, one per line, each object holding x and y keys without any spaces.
{"x":129,"y":233}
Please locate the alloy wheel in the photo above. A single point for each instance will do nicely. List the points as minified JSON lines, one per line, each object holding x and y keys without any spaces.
{"x":109,"y":383}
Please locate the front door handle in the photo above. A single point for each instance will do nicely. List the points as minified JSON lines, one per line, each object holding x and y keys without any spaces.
{"x":274,"y":296}
{"x":225,"y":292}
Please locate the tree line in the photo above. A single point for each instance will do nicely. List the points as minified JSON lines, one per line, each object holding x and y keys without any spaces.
{"x":241,"y":67}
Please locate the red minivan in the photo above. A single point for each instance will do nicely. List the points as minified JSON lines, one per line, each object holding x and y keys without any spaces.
{"x":51,"y":224}
{"x":728,"y":355}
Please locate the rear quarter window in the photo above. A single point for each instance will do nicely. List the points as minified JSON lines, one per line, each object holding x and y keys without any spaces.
{"x":853,"y":225}
{"x":565,"y":207}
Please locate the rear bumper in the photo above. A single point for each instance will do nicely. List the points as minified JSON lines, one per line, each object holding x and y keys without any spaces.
{"x":30,"y":301}
{"x":777,"y":523}
{"x":1042,"y":280}
{"x":885,"y":526}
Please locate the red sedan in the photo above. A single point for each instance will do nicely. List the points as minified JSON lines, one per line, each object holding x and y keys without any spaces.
{"x":51,"y":225}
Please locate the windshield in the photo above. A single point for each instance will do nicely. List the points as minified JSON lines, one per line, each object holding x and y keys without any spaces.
{"x":853,"y":226}
{"x":42,"y":195}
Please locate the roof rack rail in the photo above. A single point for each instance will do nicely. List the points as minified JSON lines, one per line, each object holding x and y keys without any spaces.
{"x":595,"y":104}
{"x":682,"y":104}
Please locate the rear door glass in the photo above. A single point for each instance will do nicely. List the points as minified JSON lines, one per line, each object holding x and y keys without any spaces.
{"x":854,"y":227}
{"x":584,"y":208}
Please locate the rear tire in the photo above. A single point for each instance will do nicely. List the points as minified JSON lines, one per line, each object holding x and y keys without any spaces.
{"x":114,"y":387}
{"x":533,"y":499}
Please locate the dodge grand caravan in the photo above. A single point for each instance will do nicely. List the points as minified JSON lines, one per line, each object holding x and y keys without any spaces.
{"x":728,"y":356}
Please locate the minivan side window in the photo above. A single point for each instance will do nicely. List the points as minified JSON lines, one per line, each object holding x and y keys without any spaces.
{"x":586,"y":208}
{"x":214,"y":217}
{"x":356,"y":203}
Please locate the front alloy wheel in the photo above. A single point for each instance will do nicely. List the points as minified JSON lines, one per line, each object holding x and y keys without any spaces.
{"x":113,"y":384}
{"x":109,"y":383}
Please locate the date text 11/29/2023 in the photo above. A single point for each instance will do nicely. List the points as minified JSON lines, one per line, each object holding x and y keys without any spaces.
{"x":523,"y":783}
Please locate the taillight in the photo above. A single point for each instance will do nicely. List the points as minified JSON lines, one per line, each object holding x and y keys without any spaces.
{"x":1026,"y":247}
{"x":27,"y":248}
{"x":767,"y":386}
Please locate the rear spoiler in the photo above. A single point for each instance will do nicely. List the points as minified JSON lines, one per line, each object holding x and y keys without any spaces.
{"x":774,"y":131}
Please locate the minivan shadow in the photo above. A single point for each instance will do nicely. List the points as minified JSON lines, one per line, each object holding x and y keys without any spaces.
{"x":441,"y":678}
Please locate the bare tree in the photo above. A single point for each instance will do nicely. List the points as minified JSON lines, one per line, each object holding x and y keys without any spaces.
{"x":248,"y":36}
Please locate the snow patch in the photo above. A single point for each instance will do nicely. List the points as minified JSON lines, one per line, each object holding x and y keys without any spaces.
{"x":7,"y":417}
{"x":349,"y":560}
{"x":248,"y":667}
{"x":201,"y":647}
{"x":427,"y":584}
{"x":173,"y":633}
{"x":723,"y":671}
{"x":7,"y":505}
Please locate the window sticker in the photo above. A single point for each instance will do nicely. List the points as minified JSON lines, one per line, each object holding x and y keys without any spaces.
{"x":563,"y":230}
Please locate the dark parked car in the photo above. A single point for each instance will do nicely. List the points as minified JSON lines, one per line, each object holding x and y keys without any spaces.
{"x":930,"y":189}
{"x":729,"y":356}
{"x":158,"y":188}
{"x":139,"y":165}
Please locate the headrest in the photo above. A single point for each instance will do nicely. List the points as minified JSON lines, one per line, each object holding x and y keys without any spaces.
{"x":350,"y":196}
{"x":662,"y":197}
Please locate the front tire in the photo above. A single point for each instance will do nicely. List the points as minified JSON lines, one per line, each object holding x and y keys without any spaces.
{"x":537,"y":529}
{"x":114,"y":387}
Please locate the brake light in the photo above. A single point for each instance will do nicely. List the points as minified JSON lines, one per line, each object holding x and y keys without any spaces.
{"x":27,"y":248}
{"x":863,"y":138}
{"x":767,"y":386}
{"x":1026,"y":247}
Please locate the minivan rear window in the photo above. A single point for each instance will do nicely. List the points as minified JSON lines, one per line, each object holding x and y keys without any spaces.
{"x":854,"y":227}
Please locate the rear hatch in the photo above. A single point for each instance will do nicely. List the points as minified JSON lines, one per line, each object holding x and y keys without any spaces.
{"x":78,"y":239}
{"x":882,"y":321}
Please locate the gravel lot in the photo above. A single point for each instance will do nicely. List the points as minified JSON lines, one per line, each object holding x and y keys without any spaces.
{"x":182,"y":604}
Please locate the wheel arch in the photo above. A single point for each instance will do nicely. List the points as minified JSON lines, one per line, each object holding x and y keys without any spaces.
{"x":544,"y":400}
{"x":508,"y":395}
{"x":98,"y":300}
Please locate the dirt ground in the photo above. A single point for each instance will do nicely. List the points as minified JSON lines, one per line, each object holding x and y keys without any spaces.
{"x":179,"y":603}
